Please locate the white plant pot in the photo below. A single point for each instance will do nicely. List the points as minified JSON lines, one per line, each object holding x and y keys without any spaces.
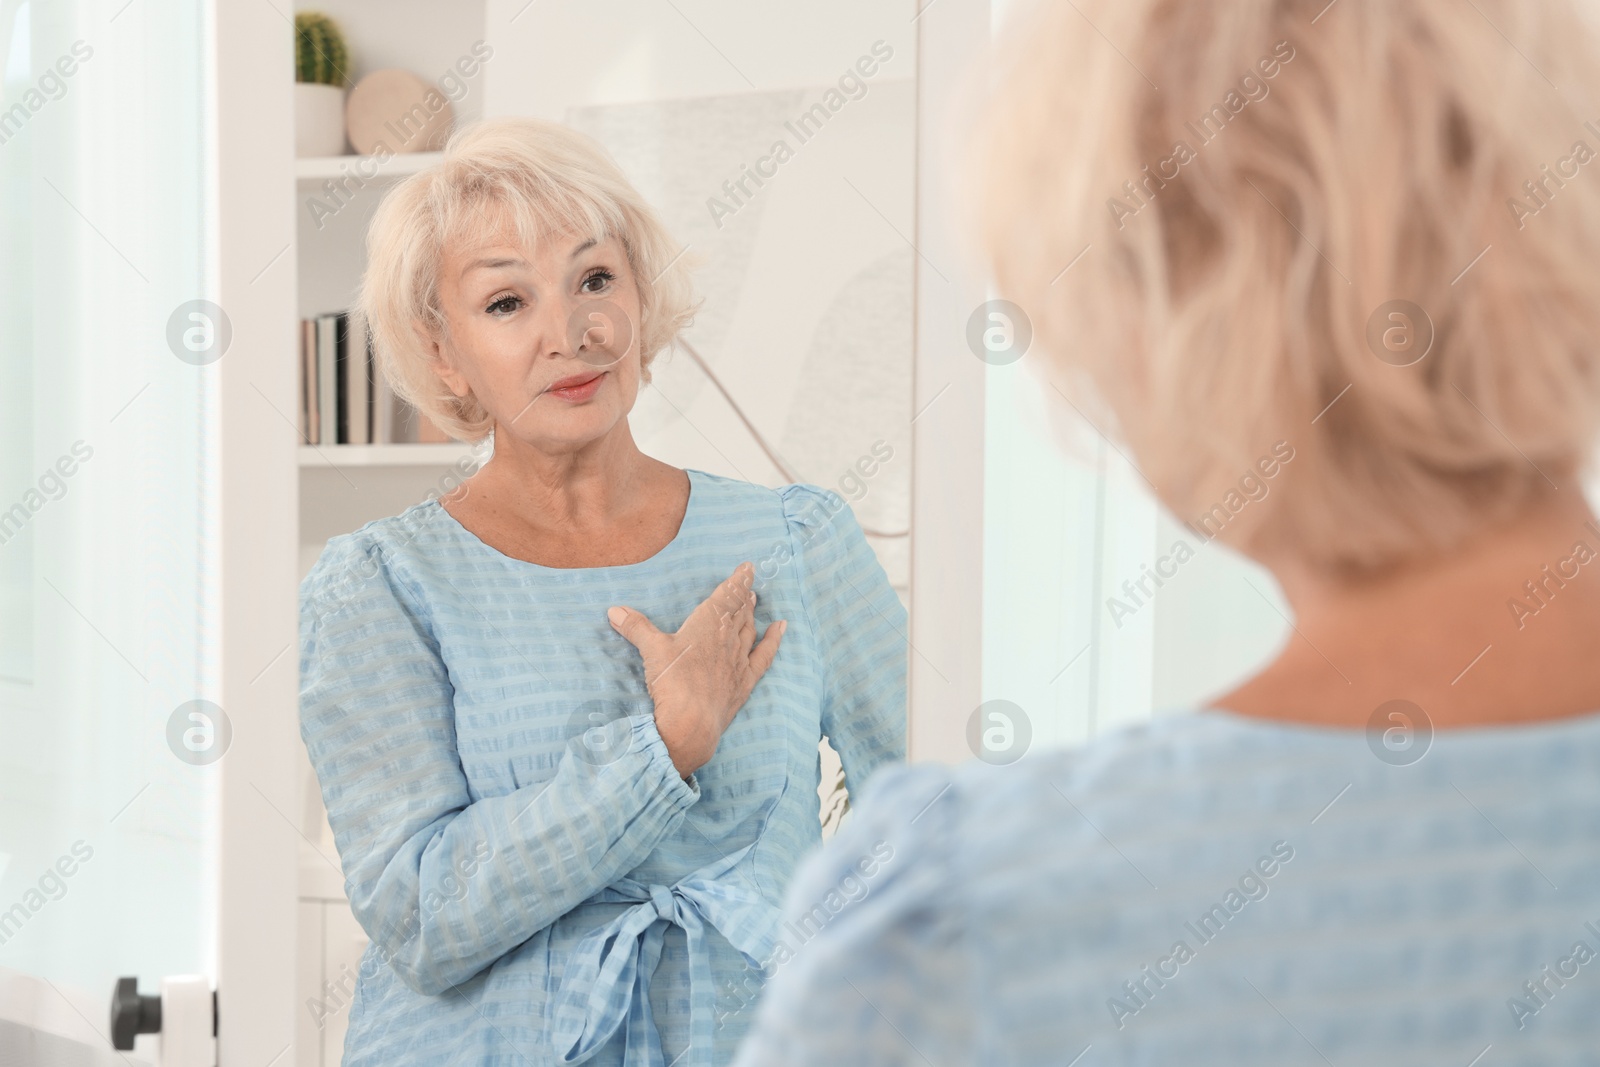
{"x":318,"y":120}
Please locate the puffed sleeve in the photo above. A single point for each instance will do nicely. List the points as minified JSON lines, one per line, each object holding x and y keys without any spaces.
{"x":875,"y":963}
{"x":860,"y":626}
{"x":442,"y":884}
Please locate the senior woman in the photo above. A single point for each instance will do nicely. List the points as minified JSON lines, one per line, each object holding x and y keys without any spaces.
{"x":1385,"y":847}
{"x":567,"y":784}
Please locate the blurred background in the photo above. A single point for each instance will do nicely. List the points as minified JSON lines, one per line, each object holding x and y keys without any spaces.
{"x":184,"y":195}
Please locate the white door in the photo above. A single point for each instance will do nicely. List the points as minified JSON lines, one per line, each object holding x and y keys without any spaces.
{"x":142,"y":749}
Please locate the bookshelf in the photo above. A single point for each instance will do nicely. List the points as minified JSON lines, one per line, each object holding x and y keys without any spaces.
{"x":321,"y":168}
{"x":341,"y":487}
{"x":387,"y":455}
{"x":356,"y":183}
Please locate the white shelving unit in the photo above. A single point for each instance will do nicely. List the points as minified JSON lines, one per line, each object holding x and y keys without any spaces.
{"x":344,"y":486}
{"x":387,"y":455}
{"x":320,"y":168}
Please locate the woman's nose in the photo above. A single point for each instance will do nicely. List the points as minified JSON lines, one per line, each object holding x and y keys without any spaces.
{"x":599,"y":331}
{"x":553,"y":333}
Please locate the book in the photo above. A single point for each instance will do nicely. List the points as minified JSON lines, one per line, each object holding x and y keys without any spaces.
{"x":369,"y":391}
{"x":327,"y":390}
{"x":308,"y":383}
{"x":341,"y":379}
{"x":355,"y":385}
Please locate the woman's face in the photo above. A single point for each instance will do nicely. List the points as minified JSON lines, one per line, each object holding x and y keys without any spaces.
{"x":546,"y":339}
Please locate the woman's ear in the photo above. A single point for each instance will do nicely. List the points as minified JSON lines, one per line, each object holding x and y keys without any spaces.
{"x":442,"y":359}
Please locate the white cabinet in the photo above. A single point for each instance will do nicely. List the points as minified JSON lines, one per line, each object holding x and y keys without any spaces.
{"x":343,"y":942}
{"x":308,"y":1027}
{"x":330,"y":943}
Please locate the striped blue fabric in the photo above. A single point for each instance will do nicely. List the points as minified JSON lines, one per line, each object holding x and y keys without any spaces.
{"x":539,"y":884}
{"x":1209,"y":889}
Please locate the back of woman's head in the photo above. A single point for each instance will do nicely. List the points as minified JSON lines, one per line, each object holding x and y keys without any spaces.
{"x":1368,"y":229}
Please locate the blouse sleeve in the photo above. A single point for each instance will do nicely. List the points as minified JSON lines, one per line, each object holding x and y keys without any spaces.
{"x":442,"y":884}
{"x":875,"y":966}
{"x":860,"y":627}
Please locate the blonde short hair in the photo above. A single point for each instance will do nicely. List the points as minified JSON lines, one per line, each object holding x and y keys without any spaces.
{"x":1227,"y":302}
{"x":546,"y":178}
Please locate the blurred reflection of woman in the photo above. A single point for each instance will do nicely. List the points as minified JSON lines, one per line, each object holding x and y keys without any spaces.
{"x":1322,"y":256}
{"x":566,"y":836}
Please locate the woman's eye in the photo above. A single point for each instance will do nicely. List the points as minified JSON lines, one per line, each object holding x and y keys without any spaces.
{"x":604,"y":277}
{"x":504,"y":306}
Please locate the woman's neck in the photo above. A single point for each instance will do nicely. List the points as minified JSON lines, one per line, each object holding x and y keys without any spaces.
{"x":592,"y":486}
{"x":1501,"y":630}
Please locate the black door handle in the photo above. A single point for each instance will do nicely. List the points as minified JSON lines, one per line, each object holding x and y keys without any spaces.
{"x":132,"y":1014}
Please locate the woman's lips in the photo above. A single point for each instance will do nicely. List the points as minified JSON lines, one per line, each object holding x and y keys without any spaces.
{"x":577,"y":388}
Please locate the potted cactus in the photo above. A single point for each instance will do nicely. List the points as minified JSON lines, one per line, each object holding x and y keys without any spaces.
{"x":321,"y":66}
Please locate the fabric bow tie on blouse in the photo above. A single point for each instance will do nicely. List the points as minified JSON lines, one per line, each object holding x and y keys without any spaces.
{"x":606,"y":984}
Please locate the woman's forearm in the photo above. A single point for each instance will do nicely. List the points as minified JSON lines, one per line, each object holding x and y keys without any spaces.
{"x":444,"y":891}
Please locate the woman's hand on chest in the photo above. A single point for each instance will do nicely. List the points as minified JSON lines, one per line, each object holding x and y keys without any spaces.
{"x":700,"y":676}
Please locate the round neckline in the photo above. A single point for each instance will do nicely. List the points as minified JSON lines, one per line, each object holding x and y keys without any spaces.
{"x":690,"y":512}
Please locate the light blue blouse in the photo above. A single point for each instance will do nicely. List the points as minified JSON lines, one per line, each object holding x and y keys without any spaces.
{"x":538,"y":883}
{"x":1208,"y":889}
